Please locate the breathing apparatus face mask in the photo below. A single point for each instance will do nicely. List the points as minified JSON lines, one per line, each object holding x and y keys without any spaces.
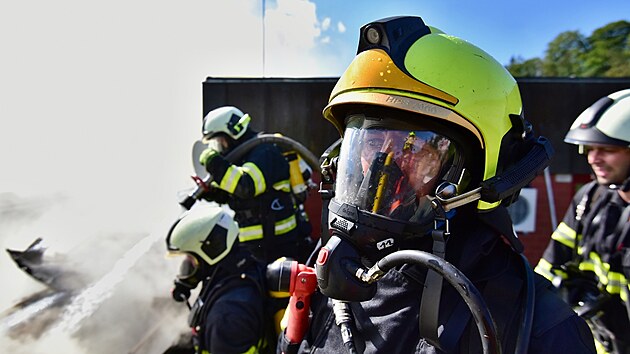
{"x":385,"y":174}
{"x":190,"y":269}
{"x":390,"y":172}
{"x":219,"y":142}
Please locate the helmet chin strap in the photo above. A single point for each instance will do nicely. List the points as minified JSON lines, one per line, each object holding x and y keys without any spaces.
{"x":498,"y":218}
{"x":446,"y":196}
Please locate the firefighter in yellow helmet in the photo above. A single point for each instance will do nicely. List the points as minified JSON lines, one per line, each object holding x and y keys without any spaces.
{"x":588,"y":257}
{"x":435,"y":146}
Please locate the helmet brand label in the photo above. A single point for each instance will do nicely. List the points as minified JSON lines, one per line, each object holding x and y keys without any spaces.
{"x":422,"y":107}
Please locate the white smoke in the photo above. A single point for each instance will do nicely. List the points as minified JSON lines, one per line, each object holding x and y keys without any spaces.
{"x":119,"y":300}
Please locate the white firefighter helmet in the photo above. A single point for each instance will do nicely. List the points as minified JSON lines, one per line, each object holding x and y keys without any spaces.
{"x":207,"y":231}
{"x":228,"y":120}
{"x":605,"y":122}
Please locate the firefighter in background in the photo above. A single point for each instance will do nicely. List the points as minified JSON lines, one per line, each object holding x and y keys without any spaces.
{"x":257,"y":187}
{"x":588,"y":256}
{"x":230,"y":313}
{"x":430,"y":124}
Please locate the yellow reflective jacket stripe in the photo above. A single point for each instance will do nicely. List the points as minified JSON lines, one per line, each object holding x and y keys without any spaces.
{"x":283,"y":186}
{"x":599,"y":347}
{"x":233,"y":175}
{"x":259,"y":179}
{"x":565,"y":235}
{"x":615,"y":282}
{"x":286,"y":225}
{"x":230,"y":178}
{"x":544,"y":268}
{"x":255,"y":232}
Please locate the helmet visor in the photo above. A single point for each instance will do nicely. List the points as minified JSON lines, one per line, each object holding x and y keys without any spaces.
{"x":188,"y":268}
{"x":390,"y":171}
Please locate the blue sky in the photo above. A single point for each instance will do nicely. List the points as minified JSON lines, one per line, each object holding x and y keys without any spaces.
{"x":502,"y":28}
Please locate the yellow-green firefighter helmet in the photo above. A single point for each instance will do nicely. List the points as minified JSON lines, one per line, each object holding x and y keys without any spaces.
{"x":405,"y":65}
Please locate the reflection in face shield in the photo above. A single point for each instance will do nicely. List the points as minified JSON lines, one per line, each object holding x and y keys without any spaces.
{"x":390,"y":171}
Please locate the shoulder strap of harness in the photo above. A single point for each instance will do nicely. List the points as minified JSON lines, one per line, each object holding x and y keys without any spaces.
{"x":621,"y":225}
{"x":582,"y":210}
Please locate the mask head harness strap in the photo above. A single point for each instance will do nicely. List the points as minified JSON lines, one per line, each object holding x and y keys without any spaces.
{"x":430,"y":302}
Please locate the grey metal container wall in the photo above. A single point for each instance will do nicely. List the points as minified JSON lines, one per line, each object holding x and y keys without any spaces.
{"x":293,"y":107}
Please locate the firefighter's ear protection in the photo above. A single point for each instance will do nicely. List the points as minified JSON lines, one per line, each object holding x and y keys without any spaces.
{"x":336,"y":267}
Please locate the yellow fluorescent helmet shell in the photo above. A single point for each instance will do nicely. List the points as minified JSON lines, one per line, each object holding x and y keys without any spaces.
{"x":471,"y":83}
{"x":487,"y":93}
{"x":374,"y":69}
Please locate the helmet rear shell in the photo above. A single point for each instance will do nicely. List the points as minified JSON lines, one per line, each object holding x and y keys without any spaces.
{"x":605,"y":122}
{"x":206,"y":230}
{"x":228,"y":120}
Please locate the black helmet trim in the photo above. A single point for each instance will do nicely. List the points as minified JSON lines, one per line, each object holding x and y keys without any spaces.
{"x":169,"y":246}
{"x":584,"y":130}
{"x":215,"y":243}
{"x":234,"y":125}
{"x":394,"y":35}
{"x":592,"y":114}
{"x":592,"y":136}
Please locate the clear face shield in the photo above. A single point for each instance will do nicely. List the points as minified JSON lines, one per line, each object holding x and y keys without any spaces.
{"x":390,"y":172}
{"x":386,"y":171}
{"x":189,"y":266}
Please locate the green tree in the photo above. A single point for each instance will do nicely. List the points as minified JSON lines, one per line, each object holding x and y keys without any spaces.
{"x":605,"y":53}
{"x":565,"y":55}
{"x":610,"y":49}
{"x":520,"y":67}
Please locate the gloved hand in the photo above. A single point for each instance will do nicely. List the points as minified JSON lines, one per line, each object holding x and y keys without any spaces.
{"x":215,"y":194}
{"x":214,"y":162}
{"x":207,"y":156}
{"x":181,"y":291}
